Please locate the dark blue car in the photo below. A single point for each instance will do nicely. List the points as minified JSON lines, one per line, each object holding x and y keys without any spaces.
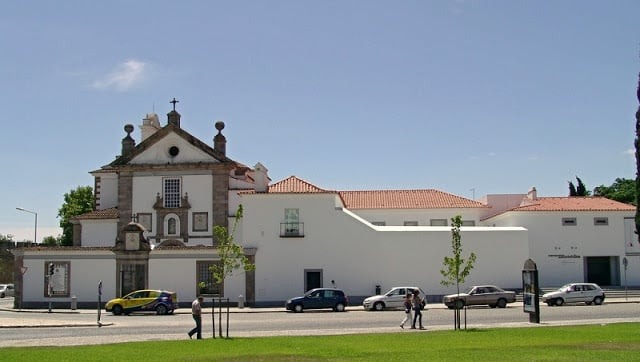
{"x":319,"y":298}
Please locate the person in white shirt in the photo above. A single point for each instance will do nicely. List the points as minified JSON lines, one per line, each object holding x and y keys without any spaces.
{"x":196,"y":312}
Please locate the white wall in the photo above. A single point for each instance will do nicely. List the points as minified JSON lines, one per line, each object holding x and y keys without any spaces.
{"x":158,"y":153}
{"x":108,"y":190}
{"x":554,"y":247}
{"x":422,"y":216}
{"x":99,"y":232}
{"x":359,"y":256}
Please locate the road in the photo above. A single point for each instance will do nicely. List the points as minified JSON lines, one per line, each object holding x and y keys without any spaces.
{"x":38,"y":328}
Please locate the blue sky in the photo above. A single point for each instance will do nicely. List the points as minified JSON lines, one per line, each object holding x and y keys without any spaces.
{"x":468,"y":97}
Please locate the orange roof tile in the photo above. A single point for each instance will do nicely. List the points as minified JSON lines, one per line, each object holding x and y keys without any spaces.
{"x":405,"y":199}
{"x":295,"y":185}
{"x":574,"y":204}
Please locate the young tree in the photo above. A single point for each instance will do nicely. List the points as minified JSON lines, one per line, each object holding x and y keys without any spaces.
{"x":456,"y":269}
{"x":581,"y":190}
{"x":76,"y":202}
{"x":572,"y":189}
{"x":231,"y":254}
{"x":52,"y":241}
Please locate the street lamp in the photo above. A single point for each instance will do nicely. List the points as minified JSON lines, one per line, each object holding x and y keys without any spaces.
{"x":35,"y":229}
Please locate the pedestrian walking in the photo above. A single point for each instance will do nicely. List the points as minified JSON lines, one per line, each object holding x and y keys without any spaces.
{"x":417,"y":309}
{"x":196,"y":312}
{"x":407,"y":310}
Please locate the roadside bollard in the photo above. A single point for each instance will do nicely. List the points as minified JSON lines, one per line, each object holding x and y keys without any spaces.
{"x":240,"y":301}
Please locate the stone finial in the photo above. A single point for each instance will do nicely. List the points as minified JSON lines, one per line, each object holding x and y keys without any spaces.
{"x":220,"y":141}
{"x":128,"y":144}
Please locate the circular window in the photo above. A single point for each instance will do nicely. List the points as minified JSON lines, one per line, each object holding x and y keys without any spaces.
{"x":173,"y":151}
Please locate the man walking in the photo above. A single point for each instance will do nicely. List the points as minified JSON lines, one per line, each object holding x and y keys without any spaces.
{"x":196,"y":312}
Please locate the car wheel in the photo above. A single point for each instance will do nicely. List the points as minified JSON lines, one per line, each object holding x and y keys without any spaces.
{"x":339,"y":307}
{"x":162,"y":309}
{"x":117,"y":310}
{"x":379,"y":306}
{"x":597,"y":300}
{"x":559,"y":302}
{"x":2,"y":296}
{"x":458,"y":304}
{"x":298,"y":308}
{"x":502,"y":303}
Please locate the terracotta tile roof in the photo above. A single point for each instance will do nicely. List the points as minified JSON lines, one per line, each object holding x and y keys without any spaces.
{"x":405,"y":199}
{"x":574,"y":204}
{"x":295,"y":185}
{"x":111,"y":213}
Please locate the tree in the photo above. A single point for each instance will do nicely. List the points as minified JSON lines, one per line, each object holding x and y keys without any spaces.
{"x":456,"y":269}
{"x":581,"y":190}
{"x":622,"y":189}
{"x":231,"y":254}
{"x":52,"y":241}
{"x":76,"y":202}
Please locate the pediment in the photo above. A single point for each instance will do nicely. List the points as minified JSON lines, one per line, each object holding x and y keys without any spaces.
{"x":173,"y":149}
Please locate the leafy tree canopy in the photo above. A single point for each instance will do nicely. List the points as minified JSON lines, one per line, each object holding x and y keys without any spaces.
{"x":580,"y":190}
{"x":76,"y":202}
{"x":622,"y":189}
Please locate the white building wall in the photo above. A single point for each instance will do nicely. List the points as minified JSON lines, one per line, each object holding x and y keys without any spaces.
{"x":86,"y":271}
{"x":560,"y":251}
{"x":99,"y":233}
{"x":359,"y":256}
{"x":422,"y":216}
{"x":108,"y":196}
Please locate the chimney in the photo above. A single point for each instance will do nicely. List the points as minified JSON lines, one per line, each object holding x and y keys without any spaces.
{"x":261,"y":178}
{"x":219,"y":141}
{"x":532,"y":194}
{"x":150,"y":125}
{"x":128,"y":144}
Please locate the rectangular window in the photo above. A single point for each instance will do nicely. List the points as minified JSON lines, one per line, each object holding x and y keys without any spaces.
{"x":206,"y":283}
{"x":468,"y":223}
{"x":601,"y":221}
{"x":438,"y":222}
{"x":379,"y":223}
{"x":144,"y":219}
{"x":171,"y":192}
{"x":569,"y":221}
{"x":200,"y":221}
{"x":410,"y":223}
{"x":292,"y":222}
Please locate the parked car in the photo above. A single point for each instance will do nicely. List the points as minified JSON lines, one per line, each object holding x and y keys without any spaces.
{"x":575,"y":293}
{"x":6,"y":290}
{"x":158,"y":301}
{"x":319,"y":298}
{"x":393,"y":299}
{"x":490,"y":295}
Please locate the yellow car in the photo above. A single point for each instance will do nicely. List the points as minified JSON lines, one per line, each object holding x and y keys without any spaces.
{"x":158,"y":301}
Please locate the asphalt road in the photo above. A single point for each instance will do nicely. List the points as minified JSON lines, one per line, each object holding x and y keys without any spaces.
{"x":39,"y":328}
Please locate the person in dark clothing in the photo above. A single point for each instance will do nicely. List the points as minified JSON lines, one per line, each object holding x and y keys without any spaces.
{"x":196,"y":312}
{"x":417,"y":309}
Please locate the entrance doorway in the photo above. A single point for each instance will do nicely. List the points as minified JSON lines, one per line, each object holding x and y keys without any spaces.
{"x":132,"y":277}
{"x":312,"y":279}
{"x":602,"y":270}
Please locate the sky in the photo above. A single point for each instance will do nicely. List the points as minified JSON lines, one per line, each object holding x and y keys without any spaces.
{"x":467,"y":97}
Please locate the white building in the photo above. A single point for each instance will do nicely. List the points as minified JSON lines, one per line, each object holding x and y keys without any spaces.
{"x":157,"y":203}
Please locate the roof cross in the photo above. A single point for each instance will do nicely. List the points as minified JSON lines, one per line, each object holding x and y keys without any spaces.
{"x":174,"y":103}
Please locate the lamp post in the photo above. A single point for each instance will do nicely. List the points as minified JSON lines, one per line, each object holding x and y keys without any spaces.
{"x":35,"y":229}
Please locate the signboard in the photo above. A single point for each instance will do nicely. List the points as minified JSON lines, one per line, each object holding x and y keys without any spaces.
{"x":530,"y":291}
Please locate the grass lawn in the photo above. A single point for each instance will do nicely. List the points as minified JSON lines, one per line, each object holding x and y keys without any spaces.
{"x":611,"y":342}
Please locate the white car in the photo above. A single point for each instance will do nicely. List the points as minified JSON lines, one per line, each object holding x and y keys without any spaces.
{"x":575,"y":293}
{"x":6,"y":290}
{"x":393,"y":299}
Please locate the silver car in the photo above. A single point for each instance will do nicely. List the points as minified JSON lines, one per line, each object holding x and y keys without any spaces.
{"x":575,"y":293}
{"x":480,"y":295}
{"x":6,"y":290}
{"x":393,"y":299}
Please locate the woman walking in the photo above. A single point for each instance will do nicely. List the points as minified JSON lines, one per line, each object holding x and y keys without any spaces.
{"x":417,"y":310}
{"x":407,"y":310}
